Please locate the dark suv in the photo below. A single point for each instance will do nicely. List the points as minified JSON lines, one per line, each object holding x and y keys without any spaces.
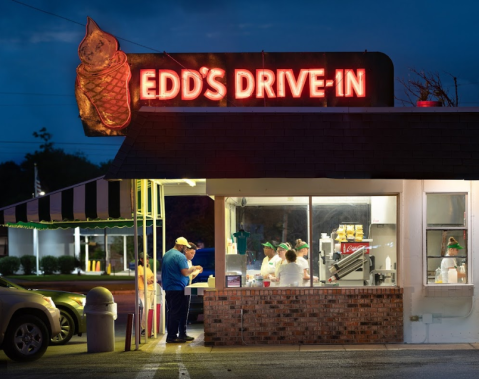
{"x":206,"y":259}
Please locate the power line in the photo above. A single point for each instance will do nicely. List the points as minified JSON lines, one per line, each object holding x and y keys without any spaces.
{"x":66,"y":143}
{"x":79,"y":23}
{"x":35,"y":105}
{"x":34,"y":94}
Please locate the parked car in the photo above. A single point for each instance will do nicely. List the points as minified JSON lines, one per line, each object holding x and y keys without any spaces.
{"x":27,"y":322}
{"x":70,"y":305}
{"x":206,"y":259}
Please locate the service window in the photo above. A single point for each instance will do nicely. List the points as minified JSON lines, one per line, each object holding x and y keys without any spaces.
{"x":257,"y":229}
{"x":446,"y":238}
{"x":354,"y":241}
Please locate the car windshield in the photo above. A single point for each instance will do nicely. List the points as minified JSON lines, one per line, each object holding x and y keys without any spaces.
{"x":7,"y":284}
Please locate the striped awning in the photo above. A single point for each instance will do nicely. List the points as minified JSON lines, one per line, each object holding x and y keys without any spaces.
{"x":93,"y":201}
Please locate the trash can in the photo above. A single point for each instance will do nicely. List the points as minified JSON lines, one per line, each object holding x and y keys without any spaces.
{"x":100,"y":311}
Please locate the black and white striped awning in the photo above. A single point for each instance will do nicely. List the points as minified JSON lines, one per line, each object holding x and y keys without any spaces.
{"x":88,"y":202}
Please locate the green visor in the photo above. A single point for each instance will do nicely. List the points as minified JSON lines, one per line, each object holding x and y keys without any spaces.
{"x":283,"y":246}
{"x":267,"y":244}
{"x":302,"y":247}
{"x":455,"y":246}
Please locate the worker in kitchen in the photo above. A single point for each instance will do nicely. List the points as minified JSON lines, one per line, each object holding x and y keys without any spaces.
{"x":281,"y":250}
{"x":175,"y":276}
{"x":270,"y":260}
{"x":302,"y":249}
{"x":449,"y":262}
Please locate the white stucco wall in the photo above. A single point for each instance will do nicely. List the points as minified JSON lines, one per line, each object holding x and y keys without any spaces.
{"x":453,"y":310}
{"x":453,"y":319}
{"x":51,"y":242}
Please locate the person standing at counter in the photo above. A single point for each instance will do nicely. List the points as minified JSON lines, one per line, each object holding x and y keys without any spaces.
{"x":175,"y":276}
{"x":189,"y":254}
{"x":270,"y":260}
{"x":448,"y":263}
{"x":290,"y":274}
{"x":150,"y":280}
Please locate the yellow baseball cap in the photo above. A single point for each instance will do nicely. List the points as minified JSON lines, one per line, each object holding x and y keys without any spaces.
{"x":182,"y":241}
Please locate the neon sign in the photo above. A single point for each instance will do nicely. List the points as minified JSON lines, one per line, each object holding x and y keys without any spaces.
{"x":112,"y":86}
{"x":167,"y":84}
{"x":262,"y":80}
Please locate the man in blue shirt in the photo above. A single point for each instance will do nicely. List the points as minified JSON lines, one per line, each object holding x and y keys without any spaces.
{"x":175,"y":277}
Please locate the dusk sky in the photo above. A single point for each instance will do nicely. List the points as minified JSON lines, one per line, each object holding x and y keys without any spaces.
{"x":39,"y":48}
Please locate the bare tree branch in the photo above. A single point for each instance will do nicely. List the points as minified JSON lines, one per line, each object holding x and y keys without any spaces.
{"x":426,"y":86}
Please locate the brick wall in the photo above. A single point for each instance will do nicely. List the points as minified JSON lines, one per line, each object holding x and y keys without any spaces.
{"x":304,"y":316}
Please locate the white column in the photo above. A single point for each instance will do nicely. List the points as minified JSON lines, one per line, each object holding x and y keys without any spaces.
{"x":77,"y":243}
{"x":154,"y":214}
{"x":87,"y":257}
{"x":144,"y":208}
{"x":125,"y":263}
{"x":220,"y":242}
{"x":36,"y":249}
{"x":163,"y":244}
{"x":135,"y":242}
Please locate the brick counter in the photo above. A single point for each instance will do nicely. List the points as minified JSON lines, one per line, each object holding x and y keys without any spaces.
{"x":303,"y":316}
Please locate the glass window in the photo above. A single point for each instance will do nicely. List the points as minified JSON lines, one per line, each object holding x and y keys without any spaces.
{"x":446,"y":239}
{"x":255,"y":229}
{"x":354,"y":241}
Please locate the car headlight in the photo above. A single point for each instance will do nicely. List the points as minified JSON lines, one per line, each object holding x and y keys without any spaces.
{"x":79,"y":300}
{"x":49,"y":301}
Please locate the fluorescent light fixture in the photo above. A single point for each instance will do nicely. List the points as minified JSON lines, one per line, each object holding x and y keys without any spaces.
{"x":190,"y":182}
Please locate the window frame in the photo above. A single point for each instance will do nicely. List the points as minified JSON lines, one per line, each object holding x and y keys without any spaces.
{"x":466,"y":227}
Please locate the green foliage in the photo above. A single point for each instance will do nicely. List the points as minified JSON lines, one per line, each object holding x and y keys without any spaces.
{"x":158,"y":267}
{"x":54,"y":170}
{"x":29,"y":264}
{"x":66,"y":264}
{"x":49,"y":264}
{"x":9,"y":265}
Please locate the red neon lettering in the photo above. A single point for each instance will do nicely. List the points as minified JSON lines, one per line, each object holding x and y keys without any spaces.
{"x":188,"y":77}
{"x":296,"y":86}
{"x":147,"y":86}
{"x":315,"y":83}
{"x":242,"y":75}
{"x":339,"y":83}
{"x":264,"y":82}
{"x":356,"y":82}
{"x":164,"y":77}
{"x":218,"y":86}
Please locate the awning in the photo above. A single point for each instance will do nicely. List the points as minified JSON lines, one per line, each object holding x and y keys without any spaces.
{"x":96,"y":203}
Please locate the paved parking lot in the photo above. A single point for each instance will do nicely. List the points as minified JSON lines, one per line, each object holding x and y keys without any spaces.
{"x":156,"y":359}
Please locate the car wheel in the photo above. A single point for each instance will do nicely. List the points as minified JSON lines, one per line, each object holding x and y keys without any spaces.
{"x":26,"y":339}
{"x":68,"y":328}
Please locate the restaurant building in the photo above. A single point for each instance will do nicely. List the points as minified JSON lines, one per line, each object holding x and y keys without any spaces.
{"x":304,"y":146}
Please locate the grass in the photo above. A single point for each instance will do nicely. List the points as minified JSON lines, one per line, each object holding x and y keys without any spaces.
{"x":71,"y":278}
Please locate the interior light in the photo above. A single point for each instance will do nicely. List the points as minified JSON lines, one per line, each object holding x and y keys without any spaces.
{"x":190,"y":182}
{"x":41,"y":193}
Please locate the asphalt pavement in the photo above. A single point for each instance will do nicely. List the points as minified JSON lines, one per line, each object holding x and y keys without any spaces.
{"x":156,"y":359}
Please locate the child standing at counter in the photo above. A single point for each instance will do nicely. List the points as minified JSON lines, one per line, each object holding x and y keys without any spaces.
{"x":290,"y":274}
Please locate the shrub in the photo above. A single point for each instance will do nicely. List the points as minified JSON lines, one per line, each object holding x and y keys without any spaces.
{"x":49,"y":264}
{"x":9,"y":265}
{"x":66,"y":264}
{"x":29,"y":264}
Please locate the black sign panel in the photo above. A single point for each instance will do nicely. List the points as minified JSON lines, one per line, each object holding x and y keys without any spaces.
{"x":261,"y":80}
